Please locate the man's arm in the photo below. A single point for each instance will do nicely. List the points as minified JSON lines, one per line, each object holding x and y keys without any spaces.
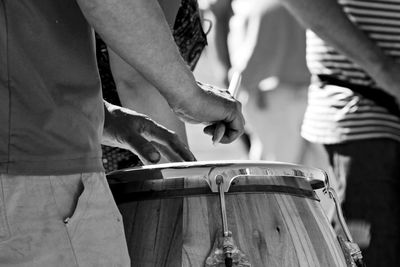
{"x":137,"y":31}
{"x":327,"y":19}
{"x":136,"y":93}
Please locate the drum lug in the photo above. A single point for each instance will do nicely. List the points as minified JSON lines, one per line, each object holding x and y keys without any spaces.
{"x":214,"y":180}
{"x":226,"y":246}
{"x":350,"y":249}
{"x":225,"y":250}
{"x":352,"y":253}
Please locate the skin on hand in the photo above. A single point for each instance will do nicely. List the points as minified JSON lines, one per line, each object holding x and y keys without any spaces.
{"x":136,"y":132}
{"x":213,"y":105}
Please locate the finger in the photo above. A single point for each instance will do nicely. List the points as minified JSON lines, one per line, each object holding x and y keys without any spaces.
{"x":235,"y":126}
{"x":218,"y":133}
{"x":210,"y":129}
{"x":230,"y":136}
{"x":167,"y":152}
{"x":143,"y":149}
{"x":239,"y":121}
{"x":169,"y":139}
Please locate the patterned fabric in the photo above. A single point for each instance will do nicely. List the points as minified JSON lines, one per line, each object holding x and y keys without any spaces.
{"x":188,"y":32}
{"x":116,"y":159}
{"x":190,"y":39}
{"x":344,"y":102}
{"x":107,"y":81}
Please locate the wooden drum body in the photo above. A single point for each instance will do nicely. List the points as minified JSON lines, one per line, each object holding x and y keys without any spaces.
{"x":172,"y":217}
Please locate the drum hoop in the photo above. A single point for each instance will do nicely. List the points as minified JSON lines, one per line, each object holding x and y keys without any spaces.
{"x":204,"y":191}
{"x":316,"y":177}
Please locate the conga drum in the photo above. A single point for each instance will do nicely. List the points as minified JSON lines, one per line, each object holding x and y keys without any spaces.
{"x":237,"y":213}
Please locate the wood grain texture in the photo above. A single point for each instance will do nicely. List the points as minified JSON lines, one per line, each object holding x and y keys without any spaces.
{"x":272,"y":229}
{"x":153,"y":231}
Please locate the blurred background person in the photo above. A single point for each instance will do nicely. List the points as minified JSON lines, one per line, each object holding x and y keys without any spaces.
{"x":213,"y":68}
{"x":217,"y":14}
{"x":353,"y":55}
{"x":267,"y":45}
{"x":263,"y":42}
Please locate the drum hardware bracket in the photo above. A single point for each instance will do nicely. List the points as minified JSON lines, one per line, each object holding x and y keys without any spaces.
{"x":225,"y":250}
{"x":351,"y":250}
{"x":220,"y":182}
{"x":214,"y":181}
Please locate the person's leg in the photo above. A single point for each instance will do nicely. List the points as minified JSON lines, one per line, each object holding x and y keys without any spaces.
{"x":35,"y":234}
{"x":371,"y":200}
{"x":94,"y":225}
{"x":222,"y":13}
{"x":68,"y":221}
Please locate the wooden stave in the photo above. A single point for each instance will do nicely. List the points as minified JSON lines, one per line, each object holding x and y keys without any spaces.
{"x":181,"y":214}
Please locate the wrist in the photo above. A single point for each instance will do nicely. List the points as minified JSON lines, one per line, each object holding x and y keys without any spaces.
{"x":183,"y":95}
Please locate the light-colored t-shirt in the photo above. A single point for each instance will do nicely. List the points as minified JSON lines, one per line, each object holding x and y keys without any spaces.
{"x":51,"y":111}
{"x":337,"y":112}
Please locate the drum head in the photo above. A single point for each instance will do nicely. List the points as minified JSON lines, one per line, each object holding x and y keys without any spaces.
{"x":316,"y":177}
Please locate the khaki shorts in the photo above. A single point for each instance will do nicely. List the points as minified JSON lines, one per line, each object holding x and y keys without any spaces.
{"x":51,"y":221}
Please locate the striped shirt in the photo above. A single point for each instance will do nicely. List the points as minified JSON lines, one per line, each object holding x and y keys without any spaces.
{"x":337,"y":112}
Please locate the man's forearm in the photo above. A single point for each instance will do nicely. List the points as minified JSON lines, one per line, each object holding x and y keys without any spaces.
{"x":327,"y":19}
{"x":138,"y":32}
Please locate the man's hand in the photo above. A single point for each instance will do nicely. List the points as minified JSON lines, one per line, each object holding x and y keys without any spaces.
{"x":130,"y":130}
{"x":211,"y":105}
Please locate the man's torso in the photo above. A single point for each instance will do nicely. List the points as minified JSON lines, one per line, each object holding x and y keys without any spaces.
{"x":50,"y":100}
